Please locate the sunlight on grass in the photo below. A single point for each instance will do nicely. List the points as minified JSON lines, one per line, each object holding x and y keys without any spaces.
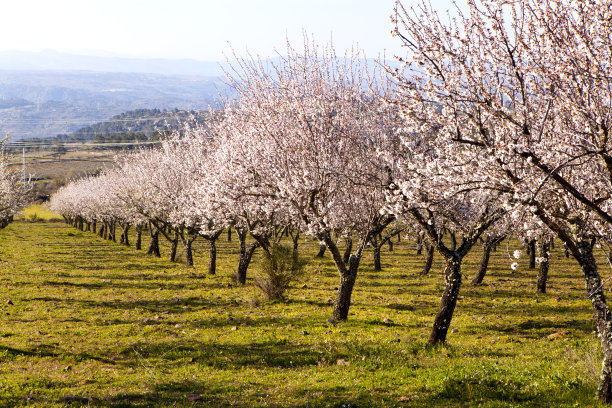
{"x":93,"y":323}
{"x":38,"y":212}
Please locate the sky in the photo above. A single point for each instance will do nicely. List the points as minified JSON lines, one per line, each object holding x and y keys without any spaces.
{"x":204,"y":30}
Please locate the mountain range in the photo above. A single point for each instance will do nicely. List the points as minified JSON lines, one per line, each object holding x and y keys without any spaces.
{"x":49,"y":93}
{"x":43,"y":94}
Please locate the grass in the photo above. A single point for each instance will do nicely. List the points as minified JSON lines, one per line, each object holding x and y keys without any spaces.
{"x":39,"y":212}
{"x":92,"y":323}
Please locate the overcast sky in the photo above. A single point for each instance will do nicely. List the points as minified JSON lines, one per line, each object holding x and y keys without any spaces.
{"x":195,"y":29}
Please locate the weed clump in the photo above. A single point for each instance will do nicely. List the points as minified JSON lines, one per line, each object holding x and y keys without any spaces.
{"x":280,"y":267}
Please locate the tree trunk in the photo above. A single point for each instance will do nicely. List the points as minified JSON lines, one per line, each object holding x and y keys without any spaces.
{"x":188,"y":252}
{"x":212,"y":255}
{"x":112,"y":230}
{"x":419,"y":243}
{"x":229,"y":234}
{"x":295,"y":238}
{"x":376,"y":243}
{"x":321,"y":252}
{"x":603,"y":317}
{"x":543,"y":249}
{"x":245,"y":260}
{"x":126,"y":232}
{"x":429,"y":256}
{"x":138,"y":237}
{"x":347,"y":250}
{"x":487,"y":248}
{"x":449,"y":300}
{"x":125,"y":237}
{"x":154,"y":244}
{"x":377,"y":265}
{"x":532,"y":254}
{"x":390,"y":243}
{"x":94,"y":226}
{"x":345,"y":290}
{"x":174,"y":246}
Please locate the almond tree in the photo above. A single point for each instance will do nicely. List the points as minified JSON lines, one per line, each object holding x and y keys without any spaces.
{"x":525,"y":86}
{"x":302,"y":141}
{"x":14,"y":193}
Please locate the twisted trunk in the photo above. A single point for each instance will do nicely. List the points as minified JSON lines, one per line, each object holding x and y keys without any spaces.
{"x":448,"y":302}
{"x":154,"y":243}
{"x":429,"y":257}
{"x":125,"y":238}
{"x":348,"y":276}
{"x":345,"y":290}
{"x":603,"y":317}
{"x":245,"y":260}
{"x":246,"y":253}
{"x":487,"y":247}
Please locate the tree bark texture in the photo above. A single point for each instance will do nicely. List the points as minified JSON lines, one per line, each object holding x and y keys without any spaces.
{"x":487,"y":248}
{"x":212,"y":256}
{"x":603,"y":317}
{"x":543,"y":250}
{"x":154,"y":244}
{"x":244,"y":262}
{"x":532,"y":254}
{"x":448,"y":302}
{"x":429,"y":257}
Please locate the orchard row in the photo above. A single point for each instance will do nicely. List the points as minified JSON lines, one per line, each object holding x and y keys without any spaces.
{"x":498,"y":122}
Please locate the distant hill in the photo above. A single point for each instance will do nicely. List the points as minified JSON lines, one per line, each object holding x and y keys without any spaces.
{"x":43,"y":94}
{"x":140,"y":124}
{"x":42,"y":104}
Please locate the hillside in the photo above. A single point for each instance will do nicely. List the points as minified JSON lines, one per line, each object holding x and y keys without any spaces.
{"x":37,"y":104}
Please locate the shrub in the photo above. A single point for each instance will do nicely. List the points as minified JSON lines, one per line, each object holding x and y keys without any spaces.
{"x":278,"y":270}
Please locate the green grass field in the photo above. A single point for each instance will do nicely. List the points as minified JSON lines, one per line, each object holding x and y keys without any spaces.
{"x":87,"y":322}
{"x":39,"y":212}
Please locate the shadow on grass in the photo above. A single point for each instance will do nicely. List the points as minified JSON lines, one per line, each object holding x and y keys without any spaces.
{"x":50,"y":350}
{"x":480,"y":389}
{"x":276,"y":353}
{"x":533,"y":327}
{"x":175,"y":305}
